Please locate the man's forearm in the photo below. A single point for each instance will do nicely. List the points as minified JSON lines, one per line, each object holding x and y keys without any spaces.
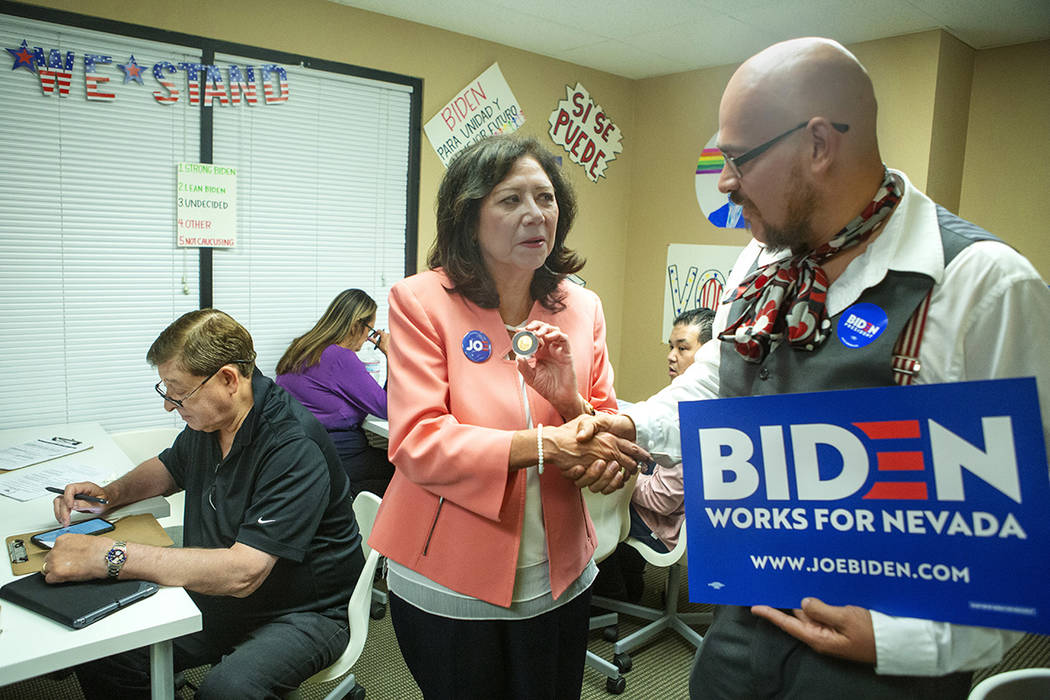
{"x":151,"y":478}
{"x":237,"y":571}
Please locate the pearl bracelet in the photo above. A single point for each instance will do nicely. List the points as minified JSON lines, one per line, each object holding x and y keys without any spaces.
{"x":539,"y":448}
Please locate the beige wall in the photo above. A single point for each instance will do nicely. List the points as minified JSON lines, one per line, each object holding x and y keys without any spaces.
{"x":446,"y":62}
{"x":1006,"y":179}
{"x":951,"y":108}
{"x":972,"y":128}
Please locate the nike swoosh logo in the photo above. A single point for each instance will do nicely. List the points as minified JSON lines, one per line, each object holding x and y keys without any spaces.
{"x":265,"y":522}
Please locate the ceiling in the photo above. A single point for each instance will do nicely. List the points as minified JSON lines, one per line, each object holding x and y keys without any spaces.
{"x":646,"y":38}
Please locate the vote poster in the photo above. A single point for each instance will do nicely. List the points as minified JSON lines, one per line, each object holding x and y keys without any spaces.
{"x":926,"y":501}
{"x":695,"y":278}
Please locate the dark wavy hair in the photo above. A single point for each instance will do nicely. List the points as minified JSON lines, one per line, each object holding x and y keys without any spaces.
{"x":470,"y":177}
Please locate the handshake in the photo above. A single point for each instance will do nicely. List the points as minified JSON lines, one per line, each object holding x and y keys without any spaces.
{"x":596,"y":452}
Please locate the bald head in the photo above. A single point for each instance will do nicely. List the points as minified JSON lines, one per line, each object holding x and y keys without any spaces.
{"x":796,"y":80}
{"x":834,"y":169}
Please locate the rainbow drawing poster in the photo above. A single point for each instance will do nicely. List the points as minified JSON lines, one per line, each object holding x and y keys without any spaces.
{"x":715,"y":205}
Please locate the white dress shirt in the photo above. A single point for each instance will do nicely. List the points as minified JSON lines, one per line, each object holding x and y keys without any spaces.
{"x":989,"y":318}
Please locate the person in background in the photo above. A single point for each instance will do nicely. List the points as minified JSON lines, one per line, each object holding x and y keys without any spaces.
{"x":690,"y":330}
{"x":837,"y":232}
{"x":489,"y":545}
{"x":322,"y":370}
{"x":658,"y":502}
{"x":271,"y":546}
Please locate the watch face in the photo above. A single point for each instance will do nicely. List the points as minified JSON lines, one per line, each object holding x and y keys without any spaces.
{"x":116,"y":556}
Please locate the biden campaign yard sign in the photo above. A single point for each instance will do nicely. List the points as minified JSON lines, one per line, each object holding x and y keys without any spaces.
{"x":923,"y":501}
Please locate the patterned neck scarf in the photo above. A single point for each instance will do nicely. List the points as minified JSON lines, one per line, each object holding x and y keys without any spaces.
{"x":789,"y":294}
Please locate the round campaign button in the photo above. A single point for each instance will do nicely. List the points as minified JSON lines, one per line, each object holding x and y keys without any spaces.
{"x":861,"y":324}
{"x":525,"y":343}
{"x":476,"y":346}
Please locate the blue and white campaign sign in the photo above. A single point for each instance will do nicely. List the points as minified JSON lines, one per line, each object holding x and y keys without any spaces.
{"x":924,"y":501}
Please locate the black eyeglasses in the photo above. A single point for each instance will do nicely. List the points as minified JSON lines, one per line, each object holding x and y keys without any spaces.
{"x":163,"y":390}
{"x":373,"y":335}
{"x":734,"y":162}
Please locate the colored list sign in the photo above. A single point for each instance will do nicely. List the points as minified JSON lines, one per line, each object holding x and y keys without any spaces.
{"x":924,"y":501}
{"x":206,"y":205}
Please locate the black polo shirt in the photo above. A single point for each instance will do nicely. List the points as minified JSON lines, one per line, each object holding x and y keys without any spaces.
{"x":281,"y":490}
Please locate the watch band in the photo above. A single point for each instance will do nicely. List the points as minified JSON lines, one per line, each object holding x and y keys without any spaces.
{"x":115,"y":558}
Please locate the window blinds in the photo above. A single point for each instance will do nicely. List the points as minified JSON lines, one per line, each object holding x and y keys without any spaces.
{"x":89,"y":274}
{"x":322,"y":199}
{"x":89,"y":269}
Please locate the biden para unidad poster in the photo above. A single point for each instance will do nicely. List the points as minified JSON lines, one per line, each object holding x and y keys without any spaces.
{"x":924,"y":501}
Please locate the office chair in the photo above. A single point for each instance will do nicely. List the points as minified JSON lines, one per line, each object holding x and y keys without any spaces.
{"x":1019,"y":684}
{"x":365,"y":506}
{"x":612,"y":522}
{"x":668,"y":617}
{"x":140,"y":445}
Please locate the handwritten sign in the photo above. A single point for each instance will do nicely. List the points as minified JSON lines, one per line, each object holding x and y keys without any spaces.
{"x":695,"y":278}
{"x":924,"y":501}
{"x":585,"y":131}
{"x":206,"y":206}
{"x":484,"y":107}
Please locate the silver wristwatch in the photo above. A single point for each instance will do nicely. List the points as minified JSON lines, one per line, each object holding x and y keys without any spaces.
{"x":115,"y":558}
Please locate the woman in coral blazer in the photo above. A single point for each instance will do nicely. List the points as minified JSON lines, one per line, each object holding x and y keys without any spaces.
{"x":489,"y":553}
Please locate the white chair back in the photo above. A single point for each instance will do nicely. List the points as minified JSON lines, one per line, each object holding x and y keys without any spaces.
{"x":659,"y":558}
{"x":612,"y":520}
{"x":1019,"y":684}
{"x":140,"y":445}
{"x":365,"y":506}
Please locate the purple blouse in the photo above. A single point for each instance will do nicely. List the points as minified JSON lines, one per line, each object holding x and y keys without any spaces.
{"x":338,"y":389}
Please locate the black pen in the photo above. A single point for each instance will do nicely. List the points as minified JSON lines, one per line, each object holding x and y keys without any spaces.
{"x":80,"y":496}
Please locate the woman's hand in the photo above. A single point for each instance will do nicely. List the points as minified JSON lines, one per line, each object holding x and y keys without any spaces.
{"x":383,"y":343}
{"x":604,"y":462}
{"x":550,"y":371}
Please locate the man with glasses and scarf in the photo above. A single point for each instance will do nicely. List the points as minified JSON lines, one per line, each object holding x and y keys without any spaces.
{"x":833,"y":227}
{"x":271,"y":547}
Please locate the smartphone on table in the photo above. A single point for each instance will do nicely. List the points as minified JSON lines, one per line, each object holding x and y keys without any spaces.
{"x":91,"y":526}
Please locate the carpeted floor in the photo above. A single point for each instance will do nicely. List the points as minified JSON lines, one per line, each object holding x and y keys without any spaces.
{"x":660,"y":670}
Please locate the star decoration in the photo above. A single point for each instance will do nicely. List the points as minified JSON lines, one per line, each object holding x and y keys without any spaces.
{"x":132,"y":71}
{"x":23,"y":58}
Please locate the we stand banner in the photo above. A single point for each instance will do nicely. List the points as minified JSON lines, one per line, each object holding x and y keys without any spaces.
{"x":924,"y":501}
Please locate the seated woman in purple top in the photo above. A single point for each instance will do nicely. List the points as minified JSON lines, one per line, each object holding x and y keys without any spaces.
{"x":322,"y":370}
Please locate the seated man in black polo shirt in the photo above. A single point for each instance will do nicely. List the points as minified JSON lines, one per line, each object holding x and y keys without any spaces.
{"x":272,"y":550}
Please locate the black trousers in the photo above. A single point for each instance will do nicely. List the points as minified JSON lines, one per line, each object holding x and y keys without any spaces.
{"x":266,"y":662}
{"x":367,"y":466}
{"x":540,"y":658}
{"x":746,"y":657}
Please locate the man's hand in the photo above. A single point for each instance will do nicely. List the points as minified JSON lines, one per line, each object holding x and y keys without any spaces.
{"x":843,"y":631}
{"x":603,"y":463}
{"x":77,"y":558}
{"x":603,"y":475}
{"x":616,"y":423}
{"x":67,"y":503}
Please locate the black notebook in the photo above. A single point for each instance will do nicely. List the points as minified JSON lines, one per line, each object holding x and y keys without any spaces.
{"x":75,"y":604}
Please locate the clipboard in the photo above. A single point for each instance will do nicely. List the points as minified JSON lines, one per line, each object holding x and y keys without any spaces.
{"x":142,"y":528}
